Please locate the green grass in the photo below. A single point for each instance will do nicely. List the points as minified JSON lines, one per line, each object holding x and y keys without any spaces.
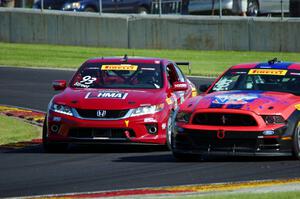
{"x":209,"y":63}
{"x":275,"y":195}
{"x":13,"y":130}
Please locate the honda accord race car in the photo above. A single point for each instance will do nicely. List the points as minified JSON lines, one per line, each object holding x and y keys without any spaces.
{"x":123,"y":100}
{"x":250,"y":110}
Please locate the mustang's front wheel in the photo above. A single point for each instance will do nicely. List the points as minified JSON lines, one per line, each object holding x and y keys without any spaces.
{"x":296,"y":143}
{"x":51,"y":147}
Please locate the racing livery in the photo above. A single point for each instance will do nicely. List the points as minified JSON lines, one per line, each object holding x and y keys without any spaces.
{"x":130,"y":100}
{"x":251,"y":109}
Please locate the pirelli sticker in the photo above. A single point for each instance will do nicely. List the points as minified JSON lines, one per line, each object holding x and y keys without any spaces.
{"x":120,"y":67}
{"x":267,"y":72}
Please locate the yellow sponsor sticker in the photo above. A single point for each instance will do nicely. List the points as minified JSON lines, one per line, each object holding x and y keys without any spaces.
{"x":194,"y":92}
{"x":297,"y":106}
{"x":169,"y":101}
{"x":267,"y":72}
{"x":120,"y":67}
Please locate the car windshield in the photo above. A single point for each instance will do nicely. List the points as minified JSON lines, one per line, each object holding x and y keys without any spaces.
{"x":129,"y":76}
{"x":260,"y":79}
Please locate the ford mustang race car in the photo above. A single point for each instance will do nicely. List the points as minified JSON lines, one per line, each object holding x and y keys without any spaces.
{"x":116,"y":100}
{"x":250,"y":110}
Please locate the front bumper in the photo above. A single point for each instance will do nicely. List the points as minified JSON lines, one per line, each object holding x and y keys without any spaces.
{"x":68,"y":129}
{"x":232,"y":142}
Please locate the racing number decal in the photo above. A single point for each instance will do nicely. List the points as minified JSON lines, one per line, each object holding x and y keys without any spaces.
{"x":87,"y":80}
{"x":222,"y":85}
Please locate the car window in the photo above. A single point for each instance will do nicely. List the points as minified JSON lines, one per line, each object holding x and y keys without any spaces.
{"x":180,"y":75}
{"x":171,"y":74}
{"x":260,"y":79}
{"x":112,"y":75}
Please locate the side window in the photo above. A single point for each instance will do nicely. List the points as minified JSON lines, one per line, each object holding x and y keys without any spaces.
{"x":179,"y":74}
{"x":171,"y":74}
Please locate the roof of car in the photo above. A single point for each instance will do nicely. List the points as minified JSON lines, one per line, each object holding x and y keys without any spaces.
{"x":146,"y":60}
{"x":272,"y":64}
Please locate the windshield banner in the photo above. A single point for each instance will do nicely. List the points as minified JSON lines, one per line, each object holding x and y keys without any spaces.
{"x":267,"y":72}
{"x":120,"y":67}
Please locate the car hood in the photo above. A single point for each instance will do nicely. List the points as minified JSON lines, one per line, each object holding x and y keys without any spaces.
{"x":109,"y":99}
{"x":260,"y":102}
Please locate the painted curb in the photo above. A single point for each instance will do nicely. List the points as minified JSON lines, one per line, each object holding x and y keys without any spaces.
{"x":177,"y":190}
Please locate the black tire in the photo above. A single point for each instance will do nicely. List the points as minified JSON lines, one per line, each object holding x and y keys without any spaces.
{"x":89,"y":9}
{"x":170,"y":129}
{"x":51,"y":147}
{"x":253,"y":8}
{"x":142,"y":10}
{"x":296,"y":143}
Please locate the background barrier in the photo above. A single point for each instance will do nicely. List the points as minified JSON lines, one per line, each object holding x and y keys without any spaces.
{"x":150,"y":31}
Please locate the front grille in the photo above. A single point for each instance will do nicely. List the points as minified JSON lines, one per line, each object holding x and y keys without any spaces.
{"x":100,"y":133}
{"x":209,"y":141}
{"x":224,"y":119}
{"x":109,"y":114}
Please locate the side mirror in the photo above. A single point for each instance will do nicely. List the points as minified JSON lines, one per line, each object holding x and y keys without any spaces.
{"x":59,"y":85}
{"x":203,"y":88}
{"x":180,"y":86}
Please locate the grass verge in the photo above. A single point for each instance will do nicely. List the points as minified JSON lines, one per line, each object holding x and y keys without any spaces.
{"x":13,"y":130}
{"x":208,"y":63}
{"x":277,"y":195}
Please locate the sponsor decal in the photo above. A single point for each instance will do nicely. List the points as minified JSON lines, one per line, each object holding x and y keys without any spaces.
{"x":294,"y":73}
{"x":126,"y":123}
{"x":163,"y":126}
{"x":106,"y":95}
{"x":169,"y":101}
{"x":194,"y":92}
{"x":267,"y":72}
{"x":150,"y":120}
{"x":151,"y":69}
{"x":120,"y":67}
{"x":297,"y":106}
{"x":234,"y":99}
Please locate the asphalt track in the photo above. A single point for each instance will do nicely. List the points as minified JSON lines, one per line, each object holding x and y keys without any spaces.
{"x":29,"y":171}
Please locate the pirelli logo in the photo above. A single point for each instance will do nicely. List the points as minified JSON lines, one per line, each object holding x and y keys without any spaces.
{"x":267,"y":72}
{"x":120,"y":67}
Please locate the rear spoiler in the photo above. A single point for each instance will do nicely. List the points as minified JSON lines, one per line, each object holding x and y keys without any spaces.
{"x":185,"y":64}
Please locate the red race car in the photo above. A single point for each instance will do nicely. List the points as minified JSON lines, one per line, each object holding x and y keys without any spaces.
{"x":116,"y":100}
{"x":250,"y":110}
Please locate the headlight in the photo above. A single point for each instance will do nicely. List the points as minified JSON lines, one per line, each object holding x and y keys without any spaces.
{"x":143,"y":110}
{"x":63,"y":109}
{"x":75,"y":5}
{"x":183,"y":117}
{"x":273,"y":119}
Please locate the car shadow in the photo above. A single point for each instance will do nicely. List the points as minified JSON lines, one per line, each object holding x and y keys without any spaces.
{"x":32,"y":147}
{"x":211,"y":159}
